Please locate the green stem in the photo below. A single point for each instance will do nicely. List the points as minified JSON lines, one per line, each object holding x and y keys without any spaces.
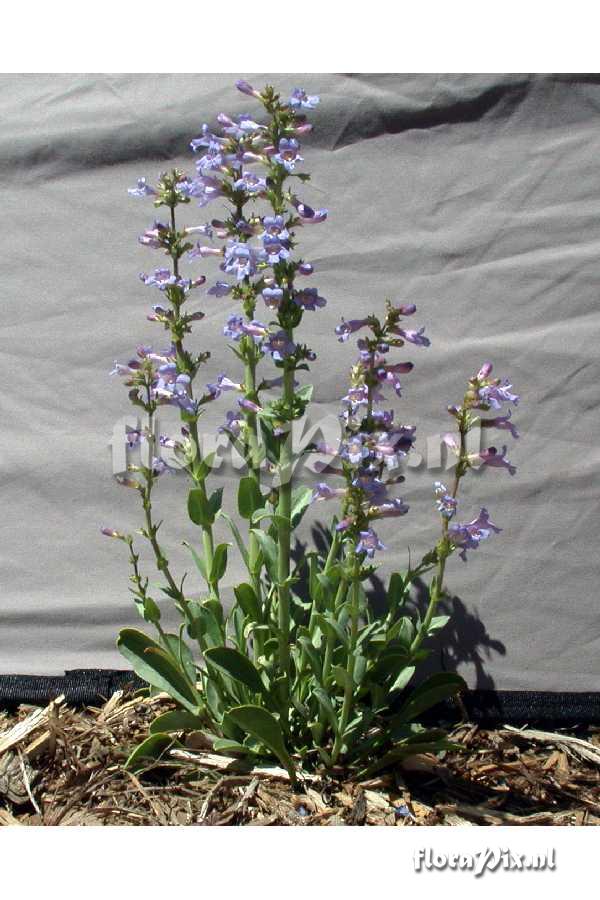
{"x":349,"y":687}
{"x":284,"y":510}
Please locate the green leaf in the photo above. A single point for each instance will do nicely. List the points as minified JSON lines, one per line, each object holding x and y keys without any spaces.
{"x":182,"y":652}
{"x":263,"y":725}
{"x":237,"y":666}
{"x":150,"y":749}
{"x":269,"y":549}
{"x":313,"y":657}
{"x":238,"y":538}
{"x":249,"y":496}
{"x":437,"y":623}
{"x":332,"y":628}
{"x":406,"y":750}
{"x":327,"y":707}
{"x":396,"y":591}
{"x":248,"y":601}
{"x":152,"y":664}
{"x":199,"y":508}
{"x":403,"y":678}
{"x":301,"y":498}
{"x":176,"y":720}
{"x":215,"y":501}
{"x":342,"y":678}
{"x":433,"y":690}
{"x":305,"y":393}
{"x":199,"y":560}
{"x":148,"y":610}
{"x":219,"y":563}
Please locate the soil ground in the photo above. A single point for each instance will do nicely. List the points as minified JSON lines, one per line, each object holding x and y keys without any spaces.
{"x":62,"y":766}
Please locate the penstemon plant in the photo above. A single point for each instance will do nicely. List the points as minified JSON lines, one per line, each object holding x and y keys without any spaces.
{"x":311,"y":677}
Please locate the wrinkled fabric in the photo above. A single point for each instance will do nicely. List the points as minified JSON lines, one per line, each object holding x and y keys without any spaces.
{"x":474,"y":196}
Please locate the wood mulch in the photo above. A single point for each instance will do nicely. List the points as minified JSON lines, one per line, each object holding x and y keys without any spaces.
{"x":60,"y":766}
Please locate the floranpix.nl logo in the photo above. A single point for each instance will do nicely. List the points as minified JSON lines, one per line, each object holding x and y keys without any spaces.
{"x":502,"y":859}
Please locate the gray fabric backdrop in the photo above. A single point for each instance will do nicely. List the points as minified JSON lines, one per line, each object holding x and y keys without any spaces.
{"x":475,"y":196}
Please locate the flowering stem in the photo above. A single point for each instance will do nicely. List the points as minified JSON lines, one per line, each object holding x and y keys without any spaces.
{"x":436,"y":590}
{"x":162,"y":563}
{"x":284,"y":510}
{"x":349,"y":686}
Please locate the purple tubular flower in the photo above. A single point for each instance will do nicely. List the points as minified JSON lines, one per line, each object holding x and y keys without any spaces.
{"x":279,"y":346}
{"x":346,"y":328}
{"x":272,"y":297}
{"x":111,"y":532}
{"x":142,"y":189}
{"x":413,"y":337}
{"x":369,"y":543}
{"x":393,"y":508}
{"x":354,"y":450}
{"x":309,"y":298}
{"x":484,"y":372}
{"x":232,"y":425}
{"x":255,"y":330}
{"x":250,"y":405}
{"x":203,"y":189}
{"x":220,"y":289}
{"x":163,"y":279}
{"x":212,"y":160}
{"x":241,"y":260}
{"x":250,"y":183}
{"x":445,"y":503}
{"x":305,"y":268}
{"x":301,"y":100}
{"x":246,"y":88}
{"x":502,"y":422}
{"x":468,"y":536}
{"x":223,"y":383}
{"x":275,"y":249}
{"x":495,"y":395}
{"x":374,"y":488}
{"x":153,"y":237}
{"x":491,"y":457}
{"x":308,"y":215}
{"x":234,"y":328}
{"x":322,"y":491}
{"x":275,"y":227}
{"x":288,"y":154}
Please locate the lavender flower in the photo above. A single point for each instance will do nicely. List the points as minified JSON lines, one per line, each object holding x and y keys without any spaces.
{"x":322,"y":491}
{"x":272,"y":297}
{"x":220,"y":289}
{"x":369,"y":543}
{"x":309,"y":299}
{"x":154,"y":237}
{"x":346,"y":328}
{"x":246,"y":88}
{"x":413,"y":337}
{"x":250,"y":183}
{"x":233,"y":424}
{"x":223,"y":383}
{"x":445,"y":503}
{"x":354,"y":450}
{"x":142,"y":189}
{"x":495,"y":395}
{"x":301,"y":100}
{"x":308,"y":215}
{"x":468,"y":536}
{"x":288,"y":154}
{"x":391,"y":509}
{"x":491,"y":457}
{"x":241,"y":260}
{"x":503,"y":423}
{"x":204,"y":189}
{"x":275,"y":248}
{"x":279,"y":346}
